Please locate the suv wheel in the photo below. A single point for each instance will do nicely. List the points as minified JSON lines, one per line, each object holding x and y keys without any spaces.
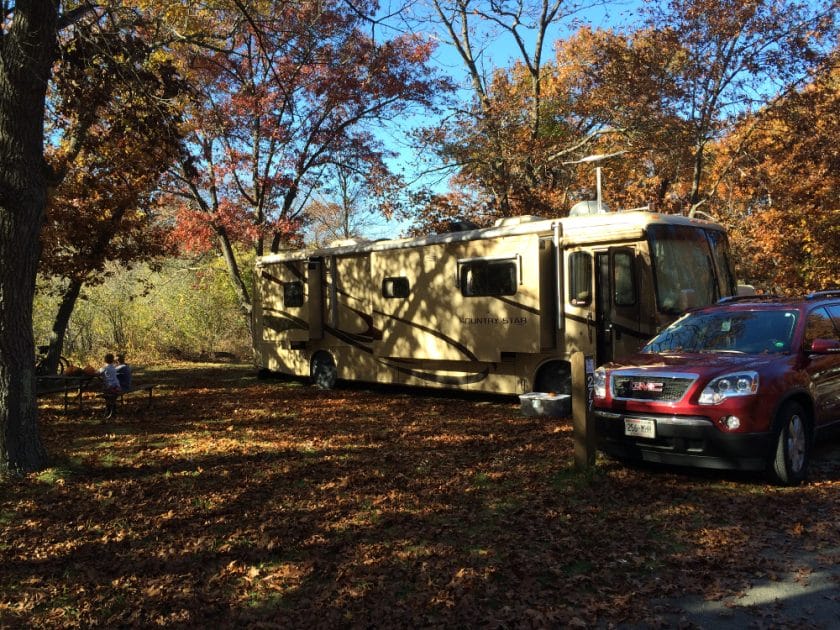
{"x":789,"y":465}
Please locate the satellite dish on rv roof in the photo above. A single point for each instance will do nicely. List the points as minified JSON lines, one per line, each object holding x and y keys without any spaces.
{"x":582,"y":208}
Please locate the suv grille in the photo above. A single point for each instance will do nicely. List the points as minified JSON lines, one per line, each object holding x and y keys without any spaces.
{"x":644,"y":386}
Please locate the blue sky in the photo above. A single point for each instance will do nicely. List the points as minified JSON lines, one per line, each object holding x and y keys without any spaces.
{"x":497,"y":50}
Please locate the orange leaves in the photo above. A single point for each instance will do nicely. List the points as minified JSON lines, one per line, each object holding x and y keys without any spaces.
{"x":666,"y":93}
{"x":294,"y":97}
{"x":119,"y":132}
{"x":781,"y":192}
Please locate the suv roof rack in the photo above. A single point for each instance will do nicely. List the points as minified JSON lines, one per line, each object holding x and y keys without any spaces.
{"x":748,"y":298}
{"x":828,"y":293}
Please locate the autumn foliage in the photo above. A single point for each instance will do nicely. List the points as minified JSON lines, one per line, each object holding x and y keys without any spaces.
{"x":290,"y":92}
{"x":719,"y":107}
{"x":118,"y":131}
{"x":254,"y":109}
{"x":782,"y":197}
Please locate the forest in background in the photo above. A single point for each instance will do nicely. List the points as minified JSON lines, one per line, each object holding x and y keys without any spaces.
{"x":195,"y":149}
{"x":185,"y":310}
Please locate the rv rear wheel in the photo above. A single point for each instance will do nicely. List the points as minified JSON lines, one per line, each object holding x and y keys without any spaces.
{"x":322,"y":370}
{"x":554,"y":377}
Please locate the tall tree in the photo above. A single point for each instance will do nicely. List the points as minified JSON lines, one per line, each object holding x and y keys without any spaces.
{"x":488,"y":143}
{"x":664,"y":93}
{"x":622,"y":88}
{"x":736,"y":56}
{"x":297,"y":88}
{"x":781,"y":189}
{"x":126,"y":104}
{"x":27,"y":51}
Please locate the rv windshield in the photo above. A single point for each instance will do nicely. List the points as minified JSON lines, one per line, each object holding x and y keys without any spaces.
{"x":683,"y":267}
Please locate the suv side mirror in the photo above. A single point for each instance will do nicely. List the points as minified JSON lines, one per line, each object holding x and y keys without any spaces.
{"x":825,"y":346}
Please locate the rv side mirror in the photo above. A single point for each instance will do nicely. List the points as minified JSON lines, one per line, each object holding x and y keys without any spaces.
{"x":825,"y":346}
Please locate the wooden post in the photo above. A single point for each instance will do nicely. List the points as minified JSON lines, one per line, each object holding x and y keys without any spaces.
{"x":583,"y":368}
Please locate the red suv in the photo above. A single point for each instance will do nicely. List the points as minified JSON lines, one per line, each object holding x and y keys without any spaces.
{"x":745,"y":384}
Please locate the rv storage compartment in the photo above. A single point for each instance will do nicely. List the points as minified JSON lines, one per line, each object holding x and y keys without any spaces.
{"x":543,"y":404}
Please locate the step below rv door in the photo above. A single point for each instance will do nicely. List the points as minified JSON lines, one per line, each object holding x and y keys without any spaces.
{"x":315,"y":287}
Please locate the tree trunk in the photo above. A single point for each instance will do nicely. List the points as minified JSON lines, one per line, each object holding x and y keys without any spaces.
{"x":27,"y":50}
{"x":235,"y":274}
{"x":697,"y":175}
{"x":71,"y":294}
{"x":59,"y":329}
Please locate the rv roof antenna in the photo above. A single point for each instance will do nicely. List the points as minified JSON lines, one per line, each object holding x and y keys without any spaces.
{"x":597,"y":157}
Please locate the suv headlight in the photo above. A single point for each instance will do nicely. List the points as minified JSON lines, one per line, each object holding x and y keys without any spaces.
{"x":729,"y":386}
{"x":599,"y":383}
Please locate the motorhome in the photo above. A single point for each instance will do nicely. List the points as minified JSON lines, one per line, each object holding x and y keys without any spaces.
{"x":499,"y":309}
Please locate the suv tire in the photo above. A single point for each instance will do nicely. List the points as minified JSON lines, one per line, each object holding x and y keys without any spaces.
{"x":789,"y":465}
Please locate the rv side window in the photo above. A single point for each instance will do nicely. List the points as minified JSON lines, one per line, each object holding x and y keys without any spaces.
{"x":395,"y":287}
{"x":580,"y":278}
{"x":487,"y":278}
{"x":624,"y":281}
{"x":292,"y":294}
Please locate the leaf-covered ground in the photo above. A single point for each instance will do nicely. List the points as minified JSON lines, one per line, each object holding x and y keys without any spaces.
{"x":237,"y":502}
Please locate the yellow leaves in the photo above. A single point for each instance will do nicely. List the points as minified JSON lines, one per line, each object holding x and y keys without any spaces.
{"x":184,"y":17}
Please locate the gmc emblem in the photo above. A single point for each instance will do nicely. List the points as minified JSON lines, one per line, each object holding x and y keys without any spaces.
{"x":648,"y":387}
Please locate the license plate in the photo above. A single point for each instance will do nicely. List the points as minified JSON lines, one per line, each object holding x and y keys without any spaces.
{"x":640,"y":427}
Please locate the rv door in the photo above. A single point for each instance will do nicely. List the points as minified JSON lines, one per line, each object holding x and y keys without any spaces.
{"x":315,"y":286}
{"x":617,"y":304}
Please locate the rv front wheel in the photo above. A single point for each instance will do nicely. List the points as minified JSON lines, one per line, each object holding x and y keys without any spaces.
{"x":554,"y":377}
{"x":322,"y":370}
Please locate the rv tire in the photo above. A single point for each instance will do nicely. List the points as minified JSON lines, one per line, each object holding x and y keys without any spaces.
{"x":555,"y":376}
{"x":322,"y":370}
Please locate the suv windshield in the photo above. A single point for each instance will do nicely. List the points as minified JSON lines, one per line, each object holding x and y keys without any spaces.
{"x":747,"y":332}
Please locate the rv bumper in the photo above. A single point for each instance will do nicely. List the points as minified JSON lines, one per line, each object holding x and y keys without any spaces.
{"x":680,"y":441}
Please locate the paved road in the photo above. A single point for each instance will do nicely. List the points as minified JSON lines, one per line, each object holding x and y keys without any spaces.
{"x":807,"y":597}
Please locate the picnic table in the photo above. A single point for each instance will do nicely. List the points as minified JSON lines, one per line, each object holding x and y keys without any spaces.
{"x":62,"y":383}
{"x":78,"y":384}
{"x":146,"y":387}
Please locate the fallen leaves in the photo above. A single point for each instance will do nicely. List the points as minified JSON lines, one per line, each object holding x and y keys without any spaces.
{"x":260,"y":503}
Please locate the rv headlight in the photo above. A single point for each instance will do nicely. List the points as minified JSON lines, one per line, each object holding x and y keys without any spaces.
{"x":599,"y":383}
{"x":729,"y":386}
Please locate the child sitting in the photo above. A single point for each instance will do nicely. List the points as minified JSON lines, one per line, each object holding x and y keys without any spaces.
{"x":110,"y":385}
{"x":123,"y":373}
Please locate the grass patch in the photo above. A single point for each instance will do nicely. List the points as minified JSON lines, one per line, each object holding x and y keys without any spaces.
{"x":572,"y":478}
{"x":54,"y":476}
